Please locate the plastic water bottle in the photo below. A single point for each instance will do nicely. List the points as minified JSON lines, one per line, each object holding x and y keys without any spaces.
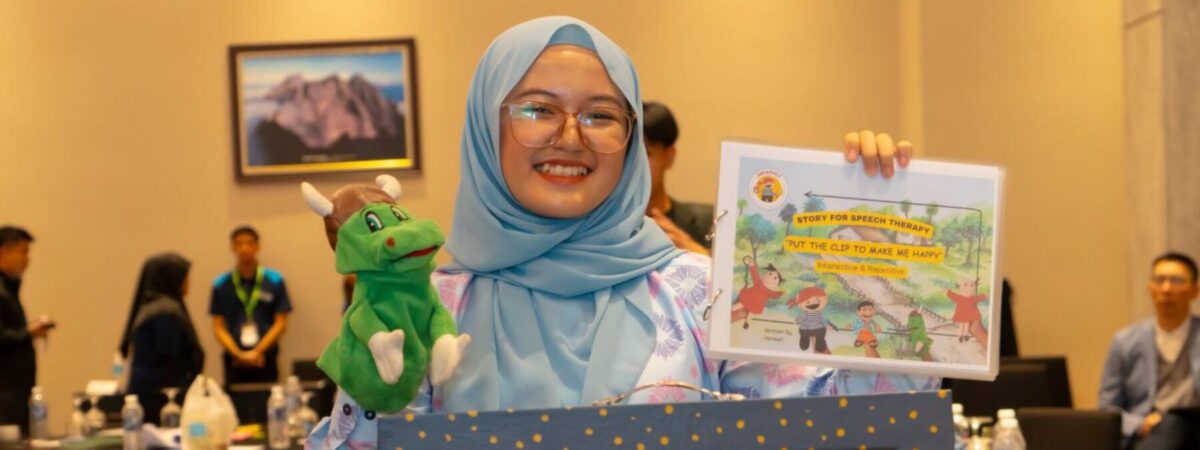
{"x":95,"y":417}
{"x":306,"y":416}
{"x":1008,"y":432}
{"x":169,"y":417}
{"x":962,"y":429}
{"x":293,"y":392}
{"x":39,"y":427}
{"x":277,"y":431}
{"x":77,"y":426}
{"x":131,"y":421}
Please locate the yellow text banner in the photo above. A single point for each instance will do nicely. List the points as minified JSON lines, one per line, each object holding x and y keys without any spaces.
{"x":863,"y":219}
{"x":861,"y":249}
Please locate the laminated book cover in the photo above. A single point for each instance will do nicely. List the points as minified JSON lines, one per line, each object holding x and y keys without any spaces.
{"x":816,"y":262}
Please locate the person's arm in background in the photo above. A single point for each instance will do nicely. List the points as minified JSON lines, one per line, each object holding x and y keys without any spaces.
{"x":224,"y":338}
{"x":1112,"y":390}
{"x":678,"y":236}
{"x":268,"y":341}
{"x":283,"y":306}
{"x":16,"y":335}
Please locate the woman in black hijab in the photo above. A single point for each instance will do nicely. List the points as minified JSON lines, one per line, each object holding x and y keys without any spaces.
{"x":159,"y":333}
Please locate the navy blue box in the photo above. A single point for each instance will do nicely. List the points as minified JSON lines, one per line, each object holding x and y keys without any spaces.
{"x":918,"y":420}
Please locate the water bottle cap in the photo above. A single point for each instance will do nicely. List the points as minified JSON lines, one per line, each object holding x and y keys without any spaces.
{"x":131,"y":398}
{"x":1006,"y":413}
{"x":956,"y":408}
{"x":37,"y":390}
{"x":276,"y":390}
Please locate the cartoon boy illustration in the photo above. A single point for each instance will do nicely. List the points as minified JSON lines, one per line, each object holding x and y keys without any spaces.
{"x":865,"y":327}
{"x":918,"y":336}
{"x":753,"y":298}
{"x":812,"y":301}
{"x":966,"y":307}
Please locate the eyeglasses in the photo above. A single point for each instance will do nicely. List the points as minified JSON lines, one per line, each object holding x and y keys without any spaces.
{"x":538,"y":125}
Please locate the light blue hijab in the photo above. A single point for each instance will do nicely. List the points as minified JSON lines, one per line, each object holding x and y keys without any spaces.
{"x":558,"y":310}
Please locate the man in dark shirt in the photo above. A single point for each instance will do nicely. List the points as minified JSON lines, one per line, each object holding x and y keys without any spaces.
{"x":249,"y":308}
{"x":687,"y":224}
{"x":18,"y":370}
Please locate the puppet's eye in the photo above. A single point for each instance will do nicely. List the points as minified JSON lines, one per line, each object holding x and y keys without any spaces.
{"x":399,"y":214}
{"x":373,"y":222}
{"x":370,"y":415}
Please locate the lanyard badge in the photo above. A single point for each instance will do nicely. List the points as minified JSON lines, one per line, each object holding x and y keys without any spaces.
{"x":249,"y":335}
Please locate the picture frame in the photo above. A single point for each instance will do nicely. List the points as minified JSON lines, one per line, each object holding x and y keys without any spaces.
{"x":324,"y":107}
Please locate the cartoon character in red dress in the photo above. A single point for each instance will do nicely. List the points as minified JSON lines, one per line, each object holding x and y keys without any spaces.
{"x":966,"y":307}
{"x":753,"y":298}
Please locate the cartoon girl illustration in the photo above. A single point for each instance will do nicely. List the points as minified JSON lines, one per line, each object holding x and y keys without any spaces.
{"x":753,"y":298}
{"x":966,"y":308}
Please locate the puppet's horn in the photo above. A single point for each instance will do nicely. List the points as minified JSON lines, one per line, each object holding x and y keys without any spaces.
{"x":319,"y":204}
{"x":390,"y":185}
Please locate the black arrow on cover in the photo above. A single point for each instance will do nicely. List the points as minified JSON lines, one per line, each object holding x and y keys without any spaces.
{"x":978,"y":245}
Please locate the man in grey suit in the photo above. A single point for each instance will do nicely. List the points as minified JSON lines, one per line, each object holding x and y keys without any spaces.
{"x":1152,"y":368}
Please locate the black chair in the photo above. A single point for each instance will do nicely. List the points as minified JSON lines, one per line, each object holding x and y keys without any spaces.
{"x":1022,"y":382}
{"x":307,"y":370}
{"x":1065,"y":428}
{"x":250,"y":401}
{"x":1056,"y":371}
{"x":314,"y":379}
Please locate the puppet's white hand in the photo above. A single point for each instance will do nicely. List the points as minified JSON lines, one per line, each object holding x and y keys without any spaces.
{"x":388,"y":351}
{"x":447,"y":352}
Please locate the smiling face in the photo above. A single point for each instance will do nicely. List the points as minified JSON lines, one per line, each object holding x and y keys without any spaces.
{"x":866,"y":312}
{"x":565,"y":179}
{"x":815,"y":303}
{"x":384,"y":237}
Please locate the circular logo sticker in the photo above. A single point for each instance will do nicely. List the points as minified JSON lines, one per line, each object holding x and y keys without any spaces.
{"x":768,"y":189}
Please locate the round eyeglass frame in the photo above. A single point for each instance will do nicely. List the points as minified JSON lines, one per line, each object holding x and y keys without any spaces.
{"x":630,"y":117}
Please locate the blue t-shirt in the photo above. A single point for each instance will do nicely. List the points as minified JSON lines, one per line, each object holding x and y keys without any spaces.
{"x":272,"y":299}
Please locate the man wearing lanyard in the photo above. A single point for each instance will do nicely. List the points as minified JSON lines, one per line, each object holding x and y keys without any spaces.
{"x":249,"y":308}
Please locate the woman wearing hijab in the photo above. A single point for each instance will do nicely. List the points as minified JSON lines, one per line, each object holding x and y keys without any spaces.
{"x":159,"y":336}
{"x":570,"y":294}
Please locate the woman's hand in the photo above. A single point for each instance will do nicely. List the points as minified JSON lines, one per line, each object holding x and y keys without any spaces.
{"x":878,"y":151}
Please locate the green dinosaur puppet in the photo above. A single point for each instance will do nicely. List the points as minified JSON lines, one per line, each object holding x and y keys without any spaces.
{"x":395,"y":322}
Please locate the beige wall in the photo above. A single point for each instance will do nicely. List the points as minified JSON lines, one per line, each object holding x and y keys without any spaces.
{"x":1036,"y":86}
{"x":116,"y":130}
{"x":115,"y":125}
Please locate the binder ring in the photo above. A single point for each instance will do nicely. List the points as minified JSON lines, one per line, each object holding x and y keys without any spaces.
{"x":712,"y":232}
{"x":712,"y":301}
